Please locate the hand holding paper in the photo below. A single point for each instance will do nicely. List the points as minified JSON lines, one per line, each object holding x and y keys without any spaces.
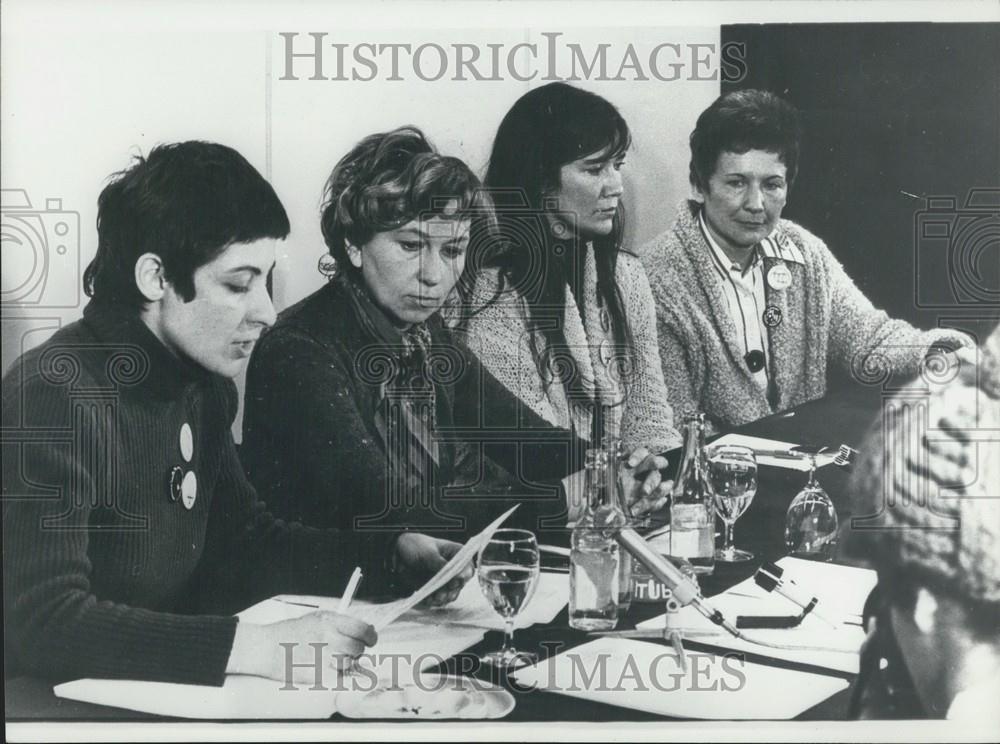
{"x":459,"y":565}
{"x":421,"y":556}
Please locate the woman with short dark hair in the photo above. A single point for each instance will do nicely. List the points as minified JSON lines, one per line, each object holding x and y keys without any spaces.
{"x":752,"y":309}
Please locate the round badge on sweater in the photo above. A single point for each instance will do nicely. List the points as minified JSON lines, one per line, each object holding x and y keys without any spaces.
{"x":779,"y":277}
{"x":189,"y":490}
{"x":174,"y":479}
{"x":186,"y":442}
{"x":772,"y":316}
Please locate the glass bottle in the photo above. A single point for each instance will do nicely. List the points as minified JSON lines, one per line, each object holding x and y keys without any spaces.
{"x":595,"y":556}
{"x":692,"y":502}
{"x":619,"y":479}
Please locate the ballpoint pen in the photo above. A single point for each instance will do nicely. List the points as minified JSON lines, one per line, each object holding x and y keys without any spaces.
{"x":352,"y":587}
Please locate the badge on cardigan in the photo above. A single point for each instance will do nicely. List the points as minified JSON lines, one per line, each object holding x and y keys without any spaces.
{"x":779,"y":277}
{"x":174,"y":479}
{"x":186,"y":441}
{"x":772,"y":316}
{"x":189,"y":490}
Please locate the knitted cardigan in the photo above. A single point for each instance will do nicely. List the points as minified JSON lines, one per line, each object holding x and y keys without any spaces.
{"x":497,"y":332}
{"x":312,"y":448}
{"x":103,"y":569}
{"x":825,"y":320}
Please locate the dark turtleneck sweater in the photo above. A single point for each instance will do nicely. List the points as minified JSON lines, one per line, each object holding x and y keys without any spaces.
{"x":103,"y":565}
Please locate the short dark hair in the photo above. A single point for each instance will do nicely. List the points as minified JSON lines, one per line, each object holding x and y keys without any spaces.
{"x":740,"y":121}
{"x":389,"y":179}
{"x":185,"y":202}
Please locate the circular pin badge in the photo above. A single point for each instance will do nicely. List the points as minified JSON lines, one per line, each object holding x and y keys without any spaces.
{"x":772,"y":316}
{"x":189,"y":490}
{"x":174,"y":479}
{"x":779,"y":277}
{"x":187,"y":442}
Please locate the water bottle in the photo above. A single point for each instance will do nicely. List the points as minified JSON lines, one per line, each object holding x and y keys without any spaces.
{"x":618,"y":480}
{"x":692,"y":502}
{"x":595,"y":557}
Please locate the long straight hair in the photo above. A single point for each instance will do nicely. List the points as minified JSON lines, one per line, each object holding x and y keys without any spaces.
{"x":544,"y":130}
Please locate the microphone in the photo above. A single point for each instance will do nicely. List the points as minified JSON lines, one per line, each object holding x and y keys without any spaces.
{"x":769,"y":578}
{"x":684,"y":590}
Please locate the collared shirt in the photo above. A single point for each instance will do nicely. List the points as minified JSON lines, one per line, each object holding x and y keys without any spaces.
{"x":405,"y":413}
{"x":745,"y":299}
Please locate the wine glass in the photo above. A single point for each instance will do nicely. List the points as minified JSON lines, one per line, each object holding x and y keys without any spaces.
{"x":811,"y":521}
{"x":733,"y":472}
{"x":508,"y":574}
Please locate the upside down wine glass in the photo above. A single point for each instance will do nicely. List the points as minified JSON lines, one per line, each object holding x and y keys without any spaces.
{"x":811,"y":521}
{"x":508,"y":574}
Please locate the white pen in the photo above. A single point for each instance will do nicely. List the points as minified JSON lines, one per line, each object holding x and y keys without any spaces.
{"x":352,"y":587}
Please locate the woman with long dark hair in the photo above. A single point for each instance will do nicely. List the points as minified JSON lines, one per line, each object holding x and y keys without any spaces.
{"x":563,"y":316}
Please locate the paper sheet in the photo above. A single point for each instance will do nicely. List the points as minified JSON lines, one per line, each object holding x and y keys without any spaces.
{"x":841,"y":590}
{"x":758,"y":444}
{"x":646,"y":676}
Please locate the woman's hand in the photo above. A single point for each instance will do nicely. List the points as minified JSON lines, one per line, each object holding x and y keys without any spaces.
{"x":418,"y":557}
{"x":645,"y":489}
{"x":300,"y":650}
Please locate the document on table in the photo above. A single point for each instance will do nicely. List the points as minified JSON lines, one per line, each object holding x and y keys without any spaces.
{"x":409,"y":640}
{"x":758,"y":444}
{"x":647,"y":676}
{"x":841,"y":591}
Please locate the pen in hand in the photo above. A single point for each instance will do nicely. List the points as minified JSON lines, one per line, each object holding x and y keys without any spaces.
{"x":349,"y":591}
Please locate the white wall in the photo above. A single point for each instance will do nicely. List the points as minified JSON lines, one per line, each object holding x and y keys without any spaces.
{"x":315,"y":122}
{"x":80,"y":96}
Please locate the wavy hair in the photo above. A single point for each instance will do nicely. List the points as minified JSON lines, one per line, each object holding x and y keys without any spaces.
{"x":391,"y":178}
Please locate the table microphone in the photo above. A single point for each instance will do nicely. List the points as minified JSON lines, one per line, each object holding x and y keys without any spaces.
{"x":684,"y":590}
{"x":768,"y":578}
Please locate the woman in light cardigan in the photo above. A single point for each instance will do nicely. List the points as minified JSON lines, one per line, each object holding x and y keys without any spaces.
{"x":560,"y":315}
{"x":810,"y":315}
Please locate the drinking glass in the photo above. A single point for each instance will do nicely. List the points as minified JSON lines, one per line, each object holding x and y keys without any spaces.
{"x":733,"y":472}
{"x":508,"y":574}
{"x":811,"y":521}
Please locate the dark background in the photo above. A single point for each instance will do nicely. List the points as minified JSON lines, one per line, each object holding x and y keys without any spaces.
{"x":887,"y":109}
